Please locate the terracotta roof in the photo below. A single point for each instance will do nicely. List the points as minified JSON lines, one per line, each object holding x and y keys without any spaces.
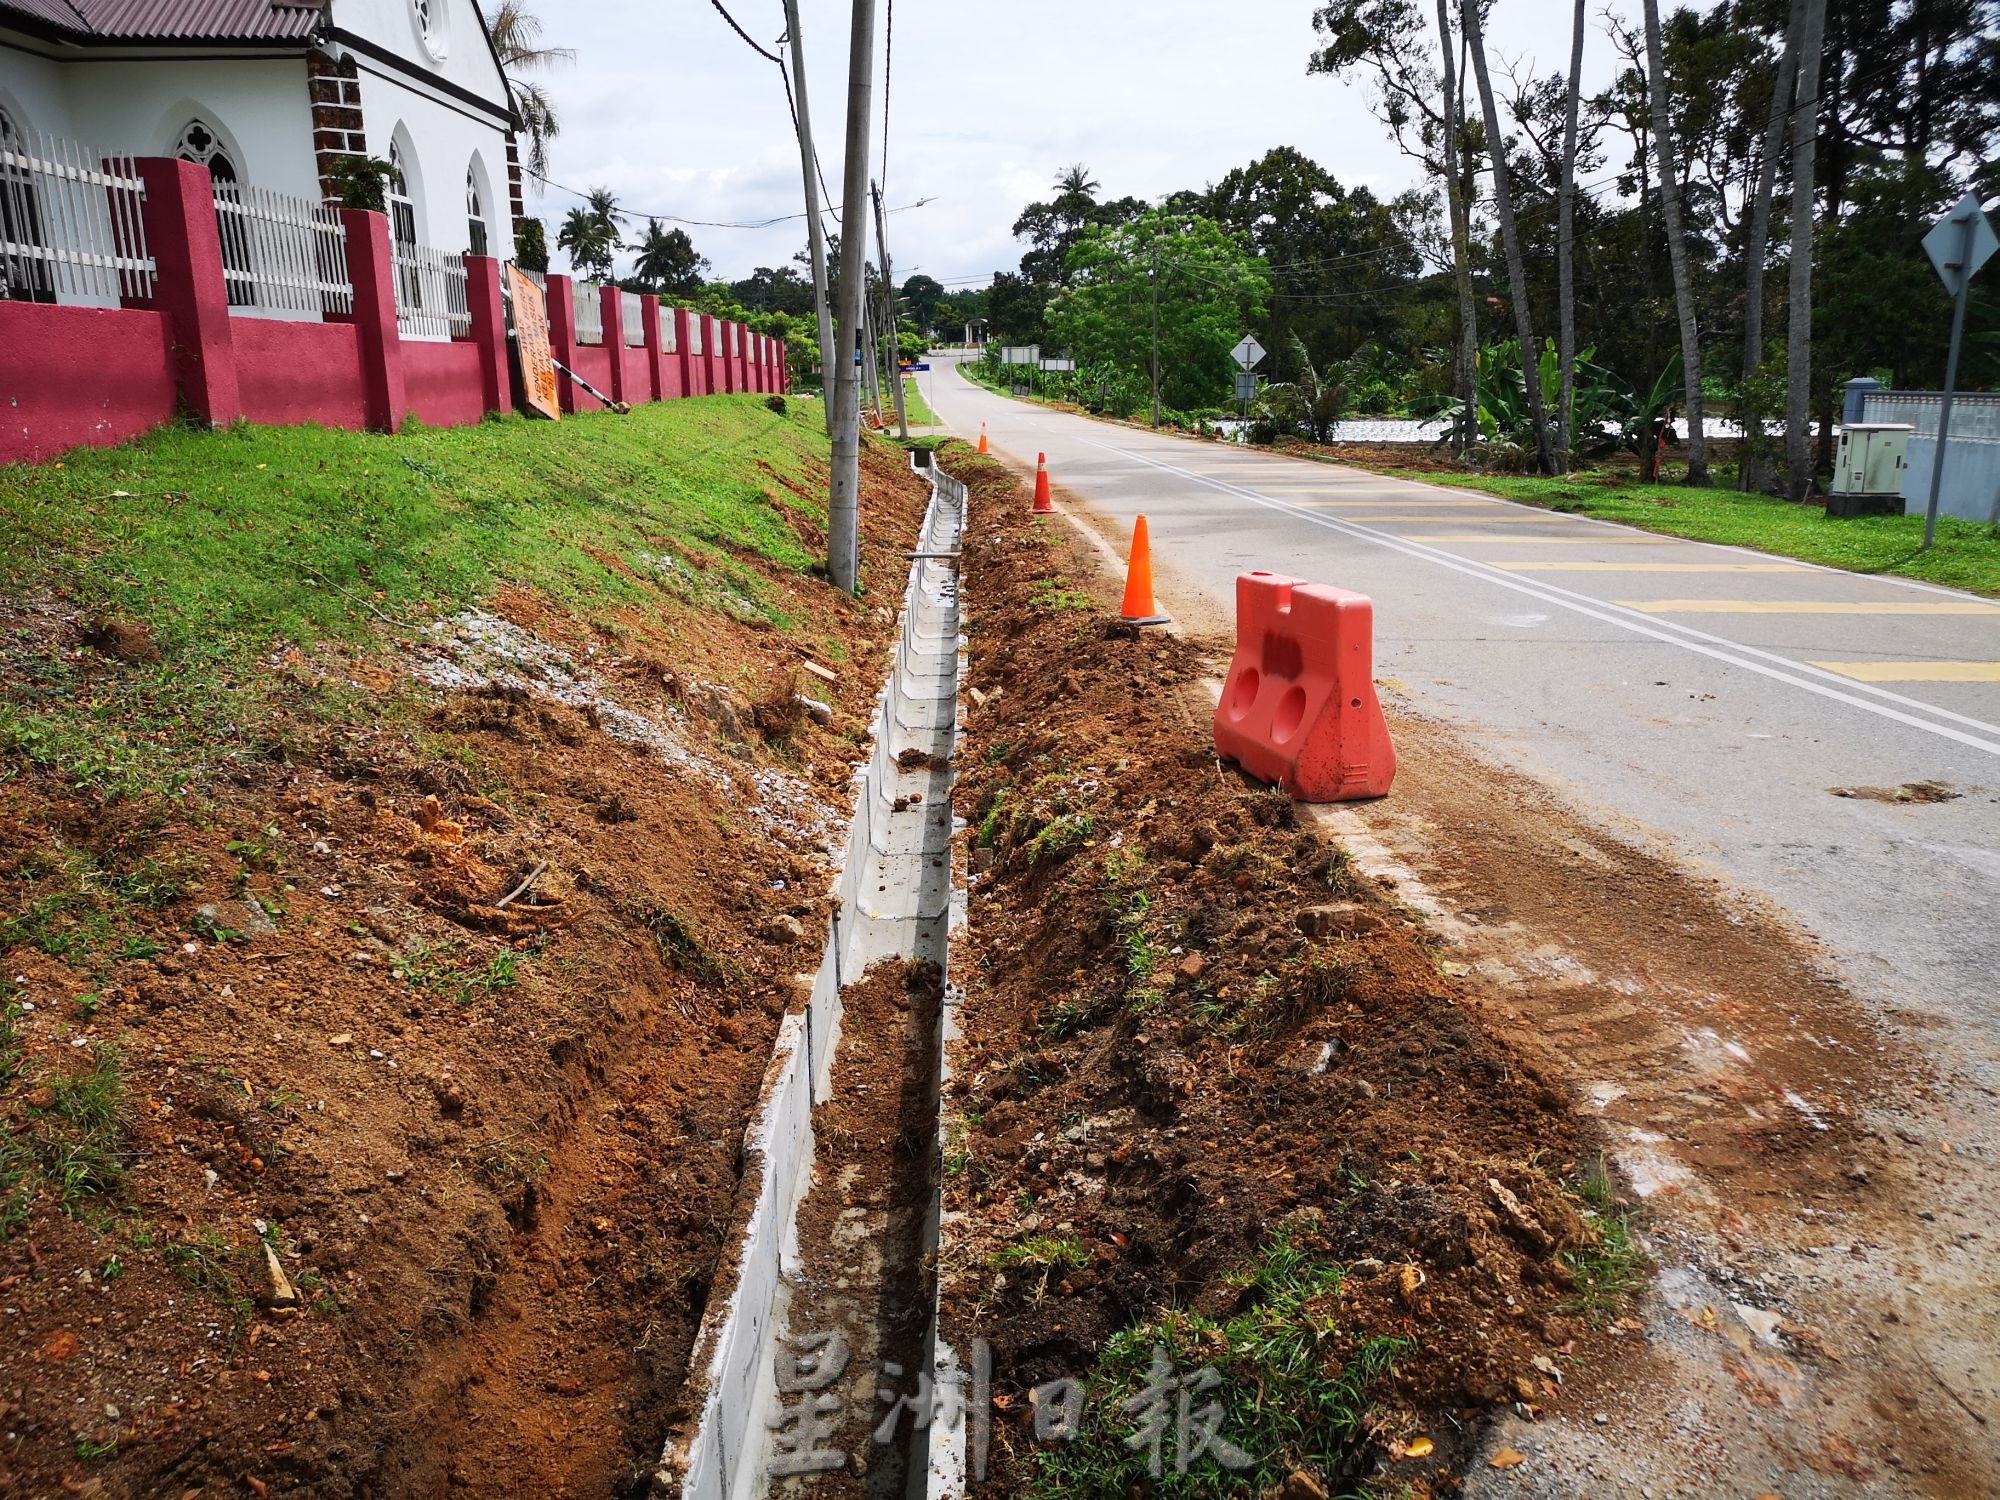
{"x":170,"y":20}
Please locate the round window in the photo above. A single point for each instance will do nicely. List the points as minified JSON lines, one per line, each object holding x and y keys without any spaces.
{"x":433,"y":18}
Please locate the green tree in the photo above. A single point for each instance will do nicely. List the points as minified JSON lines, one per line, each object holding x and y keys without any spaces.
{"x":531,"y":246}
{"x":668,"y":262}
{"x":590,"y":234}
{"x":921,"y":296}
{"x":1209,"y":288}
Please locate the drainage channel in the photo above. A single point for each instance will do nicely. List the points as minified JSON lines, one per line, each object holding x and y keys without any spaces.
{"x":833,"y":1248}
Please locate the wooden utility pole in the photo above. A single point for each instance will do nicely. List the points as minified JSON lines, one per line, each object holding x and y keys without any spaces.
{"x":843,"y":511}
{"x":889,"y":316}
{"x":815,"y":230}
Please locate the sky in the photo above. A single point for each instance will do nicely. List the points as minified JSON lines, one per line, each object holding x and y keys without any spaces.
{"x":988,"y":101}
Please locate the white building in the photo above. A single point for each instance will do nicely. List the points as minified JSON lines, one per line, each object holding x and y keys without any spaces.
{"x":269,"y":93}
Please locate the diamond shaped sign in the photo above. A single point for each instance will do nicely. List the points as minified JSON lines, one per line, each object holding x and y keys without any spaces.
{"x":1248,"y":352}
{"x":1955,"y":253}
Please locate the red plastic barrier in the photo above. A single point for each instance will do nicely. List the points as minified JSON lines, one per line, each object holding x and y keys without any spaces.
{"x":1299,"y":706}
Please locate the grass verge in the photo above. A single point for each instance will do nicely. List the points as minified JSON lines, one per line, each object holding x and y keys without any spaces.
{"x":1967,"y":554}
{"x":227,"y":548}
{"x":914,"y":405}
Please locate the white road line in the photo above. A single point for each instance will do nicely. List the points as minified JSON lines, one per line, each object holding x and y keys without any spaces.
{"x":1718,"y":648}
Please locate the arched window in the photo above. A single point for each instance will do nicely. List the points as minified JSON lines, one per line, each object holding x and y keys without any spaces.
{"x":200,"y":144}
{"x":403,"y":222}
{"x":475,"y":215}
{"x":24,"y":275}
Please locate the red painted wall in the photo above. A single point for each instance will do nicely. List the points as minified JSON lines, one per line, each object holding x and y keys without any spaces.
{"x":71,"y":375}
{"x":593,"y":363}
{"x":300,"y":372}
{"x":670,"y":377}
{"x":441,"y":382}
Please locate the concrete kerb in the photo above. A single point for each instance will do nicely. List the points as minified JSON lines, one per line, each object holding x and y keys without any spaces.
{"x":899,"y":894}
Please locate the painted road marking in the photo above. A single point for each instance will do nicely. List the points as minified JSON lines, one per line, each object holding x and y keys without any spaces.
{"x":1785,"y":669}
{"x":1457,"y":520}
{"x":1915,"y":671}
{"x":1652,"y":567}
{"x":1387,"y":500}
{"x":1804,"y":607}
{"x":1555,"y":541}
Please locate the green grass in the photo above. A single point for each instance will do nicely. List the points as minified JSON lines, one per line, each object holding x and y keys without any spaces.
{"x":233,"y":545}
{"x":1289,"y":1400}
{"x":1611,"y":1272}
{"x":1967,"y":554}
{"x":919,"y":414}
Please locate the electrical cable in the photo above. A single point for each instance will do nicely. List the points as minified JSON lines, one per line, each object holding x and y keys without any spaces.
{"x":748,"y":41}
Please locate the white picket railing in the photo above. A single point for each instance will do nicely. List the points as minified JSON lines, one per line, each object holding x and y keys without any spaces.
{"x":282,"y":257}
{"x":72,"y":225}
{"x":670,"y":341}
{"x":431,"y":301}
{"x":632,"y":309}
{"x":589,"y":313}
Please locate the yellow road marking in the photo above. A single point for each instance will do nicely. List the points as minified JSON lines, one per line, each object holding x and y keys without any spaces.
{"x":1557,"y":541}
{"x":1805,"y":607}
{"x":1649,"y":567}
{"x":1915,"y":671}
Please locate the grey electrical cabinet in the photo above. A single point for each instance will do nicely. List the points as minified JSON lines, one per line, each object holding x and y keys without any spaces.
{"x":1868,"y":467}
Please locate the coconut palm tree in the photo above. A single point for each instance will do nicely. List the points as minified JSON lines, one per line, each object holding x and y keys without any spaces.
{"x":668,"y":261}
{"x":517,"y":38}
{"x":590,"y":233}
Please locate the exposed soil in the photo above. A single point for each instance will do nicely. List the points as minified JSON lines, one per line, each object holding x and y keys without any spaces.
{"x":1191,"y":1028}
{"x":861,"y":1229}
{"x":459,"y":1004}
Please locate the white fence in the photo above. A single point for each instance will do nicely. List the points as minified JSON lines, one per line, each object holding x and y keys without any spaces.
{"x":72,"y":227}
{"x":589,"y":313}
{"x":431,"y":302}
{"x":1969,"y":486}
{"x":282,"y":257}
{"x":632,"y":307}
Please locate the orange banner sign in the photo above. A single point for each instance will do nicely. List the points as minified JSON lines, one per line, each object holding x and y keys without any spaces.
{"x":531,"y":341}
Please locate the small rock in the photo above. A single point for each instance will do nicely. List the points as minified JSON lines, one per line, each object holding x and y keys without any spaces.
{"x":782,"y":929}
{"x":276,"y":1289}
{"x":983,"y":858}
{"x":341,"y":1039}
{"x":1600,"y":1419}
{"x":820,"y":713}
{"x":1191,"y":968}
{"x":1300,"y":1485}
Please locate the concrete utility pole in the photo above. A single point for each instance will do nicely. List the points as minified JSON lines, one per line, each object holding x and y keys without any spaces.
{"x":816,"y":231}
{"x":843,"y":510}
{"x":872,"y":381}
{"x":889,"y":316}
{"x":1155,"y":280}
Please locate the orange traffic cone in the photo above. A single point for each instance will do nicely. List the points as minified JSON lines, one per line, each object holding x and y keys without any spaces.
{"x":1043,"y":504}
{"x":982,"y":437}
{"x":1139,"y":608}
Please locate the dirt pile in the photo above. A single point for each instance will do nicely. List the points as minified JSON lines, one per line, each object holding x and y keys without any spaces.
{"x":369,"y":1122}
{"x":1218,"y":1094}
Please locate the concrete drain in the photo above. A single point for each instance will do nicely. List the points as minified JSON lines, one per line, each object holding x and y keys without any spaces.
{"x":900,"y":898}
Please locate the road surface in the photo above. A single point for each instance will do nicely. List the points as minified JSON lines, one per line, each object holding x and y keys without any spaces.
{"x":1703,"y":704}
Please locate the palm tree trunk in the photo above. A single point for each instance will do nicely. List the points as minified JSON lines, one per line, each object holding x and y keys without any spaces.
{"x":1565,"y":251}
{"x":1510,"y":239}
{"x":1798,"y":340}
{"x":1677,"y":256}
{"x":1465,"y":368}
{"x":1753,"y":474}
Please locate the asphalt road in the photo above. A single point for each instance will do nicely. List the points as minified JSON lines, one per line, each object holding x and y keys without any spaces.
{"x":1706,"y":699}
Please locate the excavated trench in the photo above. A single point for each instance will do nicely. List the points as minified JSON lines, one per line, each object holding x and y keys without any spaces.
{"x":822,"y":1323}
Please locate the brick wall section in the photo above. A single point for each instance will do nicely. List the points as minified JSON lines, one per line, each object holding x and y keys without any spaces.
{"x":335,"y":90}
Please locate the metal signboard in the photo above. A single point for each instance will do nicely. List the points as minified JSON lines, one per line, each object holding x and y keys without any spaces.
{"x":1246,"y":386}
{"x":1248,"y":352}
{"x":1960,"y":243}
{"x":531,"y":343}
{"x":1058,"y":364}
{"x":1020,"y":354}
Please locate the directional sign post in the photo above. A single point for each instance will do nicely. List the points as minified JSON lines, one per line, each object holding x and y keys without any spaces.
{"x":1248,"y":352}
{"x":1246,"y":390}
{"x":1958,"y":245}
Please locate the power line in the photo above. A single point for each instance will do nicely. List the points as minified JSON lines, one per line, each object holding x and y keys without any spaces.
{"x":748,"y":41}
{"x":636,"y":213}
